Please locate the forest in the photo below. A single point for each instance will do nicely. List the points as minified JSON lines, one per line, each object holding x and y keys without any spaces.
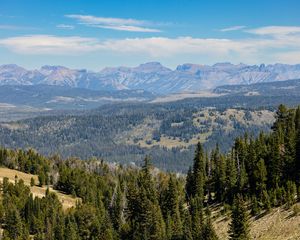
{"x":130,"y":202}
{"x":103,"y":132}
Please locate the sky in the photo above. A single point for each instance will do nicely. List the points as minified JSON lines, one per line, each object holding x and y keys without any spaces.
{"x":96,"y":34}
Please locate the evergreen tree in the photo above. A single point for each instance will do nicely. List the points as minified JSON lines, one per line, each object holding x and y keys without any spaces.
{"x":208,"y":230}
{"x":196,"y":211}
{"x":171,"y":204}
{"x":196,"y":177}
{"x":71,"y":229}
{"x":239,"y":226}
{"x":260,"y":175}
{"x":15,"y":229}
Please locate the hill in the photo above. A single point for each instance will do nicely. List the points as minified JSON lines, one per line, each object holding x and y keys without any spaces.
{"x":49,"y":97}
{"x":125,"y":134}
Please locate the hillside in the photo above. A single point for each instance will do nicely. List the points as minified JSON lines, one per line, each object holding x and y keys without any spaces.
{"x":280,"y":223}
{"x":280,"y":88}
{"x":67,"y":201}
{"x":158,"y":130}
{"x":49,"y":97}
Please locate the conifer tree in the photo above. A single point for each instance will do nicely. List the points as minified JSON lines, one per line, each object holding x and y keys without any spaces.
{"x":71,"y":229}
{"x":260,"y":175}
{"x":196,"y":211}
{"x":239,"y":226}
{"x":196,"y":177}
{"x":208,"y":230}
{"x":15,"y":228}
{"x":172,"y":210}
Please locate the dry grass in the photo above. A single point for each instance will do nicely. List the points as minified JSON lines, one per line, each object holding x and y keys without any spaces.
{"x":206,"y":119}
{"x":279,"y":224}
{"x":180,"y":96}
{"x":66,"y":200}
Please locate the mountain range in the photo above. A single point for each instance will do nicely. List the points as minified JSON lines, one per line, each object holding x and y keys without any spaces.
{"x":151,"y":77}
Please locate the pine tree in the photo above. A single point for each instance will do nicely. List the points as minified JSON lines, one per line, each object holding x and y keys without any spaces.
{"x":187,"y":227}
{"x":145,"y":217}
{"x":189,"y":183}
{"x":255,"y":210}
{"x":219,"y":176}
{"x":208,"y":230}
{"x":239,"y":226}
{"x":231,"y":178}
{"x":15,"y":229}
{"x":196,"y":178}
{"x":260,"y":175}
{"x":196,"y":211}
{"x":172,"y":210}
{"x":71,"y":229}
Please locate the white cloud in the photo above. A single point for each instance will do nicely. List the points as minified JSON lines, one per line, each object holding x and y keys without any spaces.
{"x":65,"y":26}
{"x":232,"y":28}
{"x":237,"y":50}
{"x":88,"y":19}
{"x":127,"y":28}
{"x":48,"y":44}
{"x":275,"y":30}
{"x":120,"y":24}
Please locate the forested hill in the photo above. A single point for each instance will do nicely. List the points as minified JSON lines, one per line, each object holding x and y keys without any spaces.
{"x":125,"y":133}
{"x":118,"y":202}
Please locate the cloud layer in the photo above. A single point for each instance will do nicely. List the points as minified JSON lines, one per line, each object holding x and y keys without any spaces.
{"x":269,"y":44}
{"x":275,"y":30}
{"x":120,"y":24}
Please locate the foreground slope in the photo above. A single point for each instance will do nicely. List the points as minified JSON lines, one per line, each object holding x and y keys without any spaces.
{"x":67,"y":201}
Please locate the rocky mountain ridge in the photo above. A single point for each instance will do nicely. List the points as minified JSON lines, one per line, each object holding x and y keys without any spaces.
{"x":152,"y":76}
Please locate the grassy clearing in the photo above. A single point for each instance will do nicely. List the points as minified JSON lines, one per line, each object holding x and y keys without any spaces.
{"x":180,"y":96}
{"x":206,"y":120}
{"x":279,"y":224}
{"x":66,"y":200}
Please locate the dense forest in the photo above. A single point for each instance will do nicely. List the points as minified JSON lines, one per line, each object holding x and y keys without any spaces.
{"x":110,"y":132}
{"x":121,"y":202}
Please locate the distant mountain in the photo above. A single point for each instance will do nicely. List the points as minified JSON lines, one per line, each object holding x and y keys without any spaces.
{"x":64,"y":97}
{"x":288,"y":88}
{"x":152,"y":76}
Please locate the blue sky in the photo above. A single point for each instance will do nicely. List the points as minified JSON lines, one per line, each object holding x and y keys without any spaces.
{"x":95,"y":34}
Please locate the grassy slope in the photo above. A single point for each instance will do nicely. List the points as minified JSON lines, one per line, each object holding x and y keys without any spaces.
{"x":279,"y":224}
{"x":66,"y":200}
{"x":206,"y":119}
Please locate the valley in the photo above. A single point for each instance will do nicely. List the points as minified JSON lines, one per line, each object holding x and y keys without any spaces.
{"x":154,"y":125}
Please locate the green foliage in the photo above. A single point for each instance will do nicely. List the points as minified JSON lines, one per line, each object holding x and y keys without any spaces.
{"x":239,"y":226}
